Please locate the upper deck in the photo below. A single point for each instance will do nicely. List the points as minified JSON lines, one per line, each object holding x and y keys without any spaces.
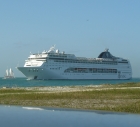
{"x":61,"y":56}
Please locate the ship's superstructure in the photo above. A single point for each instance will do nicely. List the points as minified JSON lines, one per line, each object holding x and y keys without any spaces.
{"x":54,"y":64}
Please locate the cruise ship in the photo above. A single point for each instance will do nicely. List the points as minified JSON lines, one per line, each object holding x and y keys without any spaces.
{"x":53,"y":64}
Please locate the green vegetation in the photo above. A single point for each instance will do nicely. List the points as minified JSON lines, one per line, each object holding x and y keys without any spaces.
{"x":121,"y":97}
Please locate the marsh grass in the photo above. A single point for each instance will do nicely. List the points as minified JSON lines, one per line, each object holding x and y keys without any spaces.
{"x":122,"y":100}
{"x":9,"y":90}
{"x":129,"y":84}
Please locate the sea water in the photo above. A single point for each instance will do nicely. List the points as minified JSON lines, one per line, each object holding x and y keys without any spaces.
{"x":11,"y":116}
{"x":23,"y":82}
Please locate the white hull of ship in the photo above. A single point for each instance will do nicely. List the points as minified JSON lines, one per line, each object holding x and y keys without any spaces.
{"x":45,"y":74}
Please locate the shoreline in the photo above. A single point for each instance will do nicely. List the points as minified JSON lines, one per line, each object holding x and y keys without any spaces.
{"x":58,"y":89}
{"x":120,"y":98}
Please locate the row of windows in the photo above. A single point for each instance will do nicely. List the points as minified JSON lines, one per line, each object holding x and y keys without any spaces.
{"x":90,"y":70}
{"x":63,"y":56}
{"x":122,"y":62}
{"x":81,"y":70}
{"x":41,"y":58}
{"x":34,"y":70}
{"x":90,"y":62}
{"x":55,"y":68}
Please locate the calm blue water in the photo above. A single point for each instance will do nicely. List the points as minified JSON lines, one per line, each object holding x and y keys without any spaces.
{"x":23,"y":82}
{"x":11,"y":116}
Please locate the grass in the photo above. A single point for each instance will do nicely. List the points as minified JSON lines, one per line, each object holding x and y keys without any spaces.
{"x":115,"y":99}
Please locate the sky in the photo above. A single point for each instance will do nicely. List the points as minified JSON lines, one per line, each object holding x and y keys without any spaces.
{"x":81,"y":27}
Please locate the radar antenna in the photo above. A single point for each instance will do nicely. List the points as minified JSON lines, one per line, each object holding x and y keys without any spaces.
{"x":52,"y":48}
{"x":106,"y":50}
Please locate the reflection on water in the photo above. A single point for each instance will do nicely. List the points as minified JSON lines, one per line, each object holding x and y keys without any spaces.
{"x":11,"y":116}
